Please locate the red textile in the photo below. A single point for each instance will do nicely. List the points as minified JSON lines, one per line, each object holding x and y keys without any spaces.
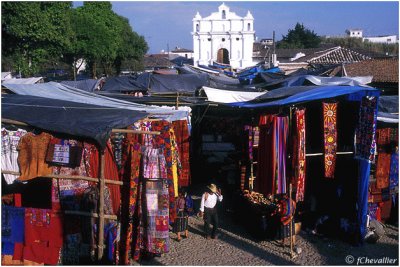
{"x":182,"y":139}
{"x":110,"y":173}
{"x":382,"y":170}
{"x":299,"y":154}
{"x":271,"y":168}
{"x":43,"y":236}
{"x":383,"y":136}
{"x":330,"y":136}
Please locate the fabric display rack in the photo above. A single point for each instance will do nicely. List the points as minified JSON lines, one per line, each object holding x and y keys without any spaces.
{"x":146,"y":186}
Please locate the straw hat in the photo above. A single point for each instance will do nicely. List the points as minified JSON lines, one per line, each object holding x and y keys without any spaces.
{"x":212,"y":187}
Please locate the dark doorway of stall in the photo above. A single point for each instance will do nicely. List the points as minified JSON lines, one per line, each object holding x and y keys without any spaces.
{"x":223,"y":56}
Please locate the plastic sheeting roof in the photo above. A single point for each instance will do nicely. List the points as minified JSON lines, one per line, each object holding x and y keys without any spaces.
{"x":77,"y":119}
{"x":32,"y":80}
{"x":88,"y":85}
{"x":63,"y":92}
{"x":311,"y":93}
{"x":225,"y":96}
{"x":123,"y":84}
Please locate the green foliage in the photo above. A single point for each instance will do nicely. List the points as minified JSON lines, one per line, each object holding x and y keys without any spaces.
{"x":299,"y":37}
{"x":33,"y":32}
{"x":36,"y":35}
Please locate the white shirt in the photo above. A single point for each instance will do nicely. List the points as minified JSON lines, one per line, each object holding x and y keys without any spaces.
{"x":210,"y":202}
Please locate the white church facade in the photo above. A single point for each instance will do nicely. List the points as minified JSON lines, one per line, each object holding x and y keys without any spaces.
{"x":223,"y":37}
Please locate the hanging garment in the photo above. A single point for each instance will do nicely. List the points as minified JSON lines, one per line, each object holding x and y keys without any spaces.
{"x":249,"y":132}
{"x":163,"y":141}
{"x":116,"y":141}
{"x":12,"y":228}
{"x":43,"y":236}
{"x":299,"y":154}
{"x":271,"y":171}
{"x":130,"y":174}
{"x":64,"y":152}
{"x":330,"y":138}
{"x":154,"y":166}
{"x":366,"y":129}
{"x":383,"y":136}
{"x":382,"y":170}
{"x":394,"y":170}
{"x":157,"y":222}
{"x":182,"y":135}
{"x":32,"y":153}
{"x":176,"y":163}
{"x":9,"y":152}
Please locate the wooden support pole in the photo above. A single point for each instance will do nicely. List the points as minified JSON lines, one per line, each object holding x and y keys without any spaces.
{"x":14,"y":122}
{"x":71,"y":177}
{"x":89,"y":214}
{"x":101,"y":208}
{"x":134,"y":131}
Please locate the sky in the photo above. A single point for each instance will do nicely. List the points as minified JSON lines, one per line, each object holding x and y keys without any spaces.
{"x":168,"y":24}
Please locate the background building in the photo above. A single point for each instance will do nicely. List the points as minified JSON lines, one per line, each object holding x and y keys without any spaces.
{"x":223,"y":37}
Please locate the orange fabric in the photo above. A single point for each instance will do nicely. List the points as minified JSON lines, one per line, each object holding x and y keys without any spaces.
{"x":32,"y":153}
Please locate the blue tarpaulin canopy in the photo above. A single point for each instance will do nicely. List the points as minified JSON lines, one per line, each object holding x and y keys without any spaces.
{"x":308,"y":93}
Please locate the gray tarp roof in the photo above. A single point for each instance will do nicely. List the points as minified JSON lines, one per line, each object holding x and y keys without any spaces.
{"x":77,"y":119}
{"x":58,"y":91}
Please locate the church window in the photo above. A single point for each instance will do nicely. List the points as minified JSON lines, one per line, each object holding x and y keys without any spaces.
{"x":223,"y":14}
{"x":248,"y":26}
{"x":197,"y":27}
{"x":223,"y":39}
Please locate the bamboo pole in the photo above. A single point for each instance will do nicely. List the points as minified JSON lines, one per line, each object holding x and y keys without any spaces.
{"x":71,"y":177}
{"x":101,"y":208}
{"x":134,"y":131}
{"x":14,"y":122}
{"x":90,"y":214}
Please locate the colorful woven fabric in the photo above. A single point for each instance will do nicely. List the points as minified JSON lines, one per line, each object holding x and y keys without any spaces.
{"x":366,"y":129}
{"x":130,"y":174}
{"x":176,"y":163}
{"x":330,"y":138}
{"x":382,"y":170}
{"x":157,"y":212}
{"x":383,"y":136}
{"x":299,"y":154}
{"x":271,"y":171}
{"x":394,"y":170}
{"x":182,"y":135}
{"x":163,"y":141}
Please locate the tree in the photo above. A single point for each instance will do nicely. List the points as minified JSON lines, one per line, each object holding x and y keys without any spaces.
{"x":34,"y":33}
{"x":299,"y":37}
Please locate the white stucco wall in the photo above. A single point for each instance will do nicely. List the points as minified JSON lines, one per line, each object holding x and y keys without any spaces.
{"x":390,"y":39}
{"x":223,"y":29}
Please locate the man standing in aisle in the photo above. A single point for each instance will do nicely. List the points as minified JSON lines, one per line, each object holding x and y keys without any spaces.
{"x":208,"y":206}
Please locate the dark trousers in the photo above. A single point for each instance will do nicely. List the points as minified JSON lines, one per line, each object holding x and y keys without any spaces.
{"x":210,"y":217}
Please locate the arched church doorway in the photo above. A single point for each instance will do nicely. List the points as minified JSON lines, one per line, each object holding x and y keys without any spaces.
{"x":223,"y":56}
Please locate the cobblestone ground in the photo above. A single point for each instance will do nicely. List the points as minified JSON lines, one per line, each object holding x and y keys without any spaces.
{"x":236,"y":247}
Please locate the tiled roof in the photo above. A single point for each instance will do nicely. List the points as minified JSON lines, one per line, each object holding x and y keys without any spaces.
{"x":333,"y":56}
{"x":157,"y":61}
{"x":382,"y":70}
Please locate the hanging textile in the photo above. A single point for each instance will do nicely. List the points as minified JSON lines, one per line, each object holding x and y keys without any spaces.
{"x":299,"y":154}
{"x":394,"y":170}
{"x":64,"y":152}
{"x":12,"y":229}
{"x":382,"y":170}
{"x":182,"y":135}
{"x":330,"y":138}
{"x":32,"y":153}
{"x":130,"y":174}
{"x":249,"y":131}
{"x":163,"y":141}
{"x":271,"y":171}
{"x":116,"y":142}
{"x":43,"y":236}
{"x":157,"y":223}
{"x":383,"y":136}
{"x":9,"y":152}
{"x":362,"y":197}
{"x":154,"y":166}
{"x":176,"y":163}
{"x":366,"y":129}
